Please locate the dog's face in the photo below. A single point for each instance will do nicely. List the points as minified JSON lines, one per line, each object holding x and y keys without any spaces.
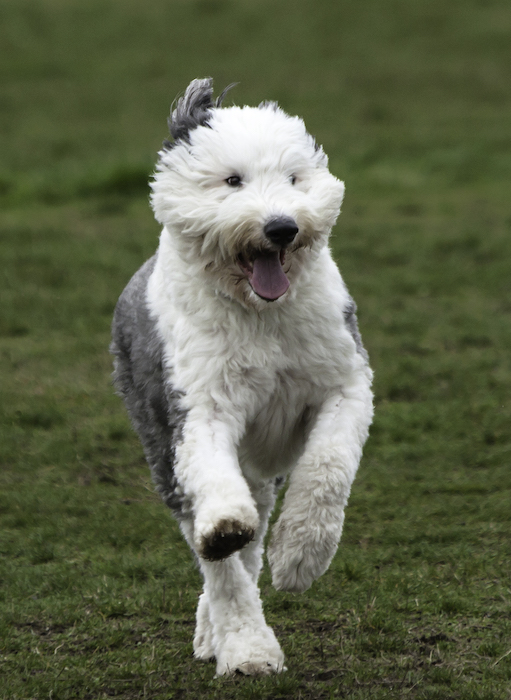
{"x":247,"y":195}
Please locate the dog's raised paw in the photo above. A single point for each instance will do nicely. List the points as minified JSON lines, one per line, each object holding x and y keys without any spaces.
{"x":299,"y":553}
{"x":228,"y":537}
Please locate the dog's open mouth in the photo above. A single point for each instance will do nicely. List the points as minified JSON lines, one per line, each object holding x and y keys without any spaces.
{"x":265,"y":273}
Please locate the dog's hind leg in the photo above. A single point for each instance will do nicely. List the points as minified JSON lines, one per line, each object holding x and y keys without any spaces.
{"x":252,"y":555}
{"x":230,"y":620}
{"x":203,"y":647}
{"x":241,"y":639}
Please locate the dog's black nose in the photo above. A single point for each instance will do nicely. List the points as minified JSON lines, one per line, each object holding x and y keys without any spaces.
{"x":282,"y":230}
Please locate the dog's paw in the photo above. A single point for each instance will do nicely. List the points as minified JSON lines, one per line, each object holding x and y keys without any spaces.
{"x":203,"y":648}
{"x":223,"y":531}
{"x":301,"y":552}
{"x":250,"y":652}
{"x":228,"y":537}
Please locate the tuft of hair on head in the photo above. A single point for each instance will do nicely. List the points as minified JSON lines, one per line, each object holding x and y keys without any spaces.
{"x":193,"y":109}
{"x":269,"y":104}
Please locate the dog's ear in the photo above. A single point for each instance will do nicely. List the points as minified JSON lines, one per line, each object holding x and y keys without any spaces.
{"x":192,"y":110}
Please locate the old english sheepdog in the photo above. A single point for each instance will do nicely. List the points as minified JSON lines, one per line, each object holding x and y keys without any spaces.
{"x":238,"y":356}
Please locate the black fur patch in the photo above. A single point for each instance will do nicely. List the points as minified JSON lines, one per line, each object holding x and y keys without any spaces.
{"x":228,"y":537}
{"x":193,"y":109}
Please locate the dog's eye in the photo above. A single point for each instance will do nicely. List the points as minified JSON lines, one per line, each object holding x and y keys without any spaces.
{"x":292,"y":179}
{"x":234,"y":181}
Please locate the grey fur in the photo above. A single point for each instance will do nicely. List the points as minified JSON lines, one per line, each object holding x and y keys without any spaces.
{"x":153,"y":406}
{"x":269,"y":104}
{"x":193,"y":109}
{"x":350,"y":317}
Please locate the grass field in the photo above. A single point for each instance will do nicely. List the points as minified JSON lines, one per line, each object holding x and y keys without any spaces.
{"x":412,"y":101}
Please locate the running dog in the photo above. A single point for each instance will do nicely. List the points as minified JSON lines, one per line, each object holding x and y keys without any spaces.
{"x":238,"y":355}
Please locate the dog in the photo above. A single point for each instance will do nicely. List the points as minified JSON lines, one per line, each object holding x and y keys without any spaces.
{"x":238,"y":356}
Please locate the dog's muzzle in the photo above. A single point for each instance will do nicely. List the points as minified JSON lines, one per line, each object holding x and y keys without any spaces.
{"x":265,"y":269}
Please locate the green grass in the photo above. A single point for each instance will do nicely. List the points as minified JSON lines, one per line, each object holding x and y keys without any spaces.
{"x":413,"y":104}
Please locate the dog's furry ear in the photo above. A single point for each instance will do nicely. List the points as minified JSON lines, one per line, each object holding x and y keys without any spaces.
{"x":193,"y":109}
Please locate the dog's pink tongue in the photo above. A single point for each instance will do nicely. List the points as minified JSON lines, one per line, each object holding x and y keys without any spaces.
{"x":268,"y":278}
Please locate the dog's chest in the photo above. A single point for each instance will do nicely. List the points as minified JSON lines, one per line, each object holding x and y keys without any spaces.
{"x":278,"y":427}
{"x":269,"y":377}
{"x":281,"y":394}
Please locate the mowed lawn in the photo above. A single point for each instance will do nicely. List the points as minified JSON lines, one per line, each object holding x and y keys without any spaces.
{"x":412,"y":101}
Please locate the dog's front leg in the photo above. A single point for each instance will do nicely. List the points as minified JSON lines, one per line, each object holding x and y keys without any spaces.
{"x":225,"y":515}
{"x":306,"y":536}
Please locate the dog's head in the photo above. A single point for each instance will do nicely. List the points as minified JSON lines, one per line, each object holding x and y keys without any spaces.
{"x":246,"y":194}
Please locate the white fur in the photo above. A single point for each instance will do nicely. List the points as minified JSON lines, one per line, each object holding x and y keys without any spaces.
{"x":270,"y":388}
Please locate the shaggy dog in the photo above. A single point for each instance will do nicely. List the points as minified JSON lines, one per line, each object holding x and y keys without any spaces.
{"x":239,"y":359}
